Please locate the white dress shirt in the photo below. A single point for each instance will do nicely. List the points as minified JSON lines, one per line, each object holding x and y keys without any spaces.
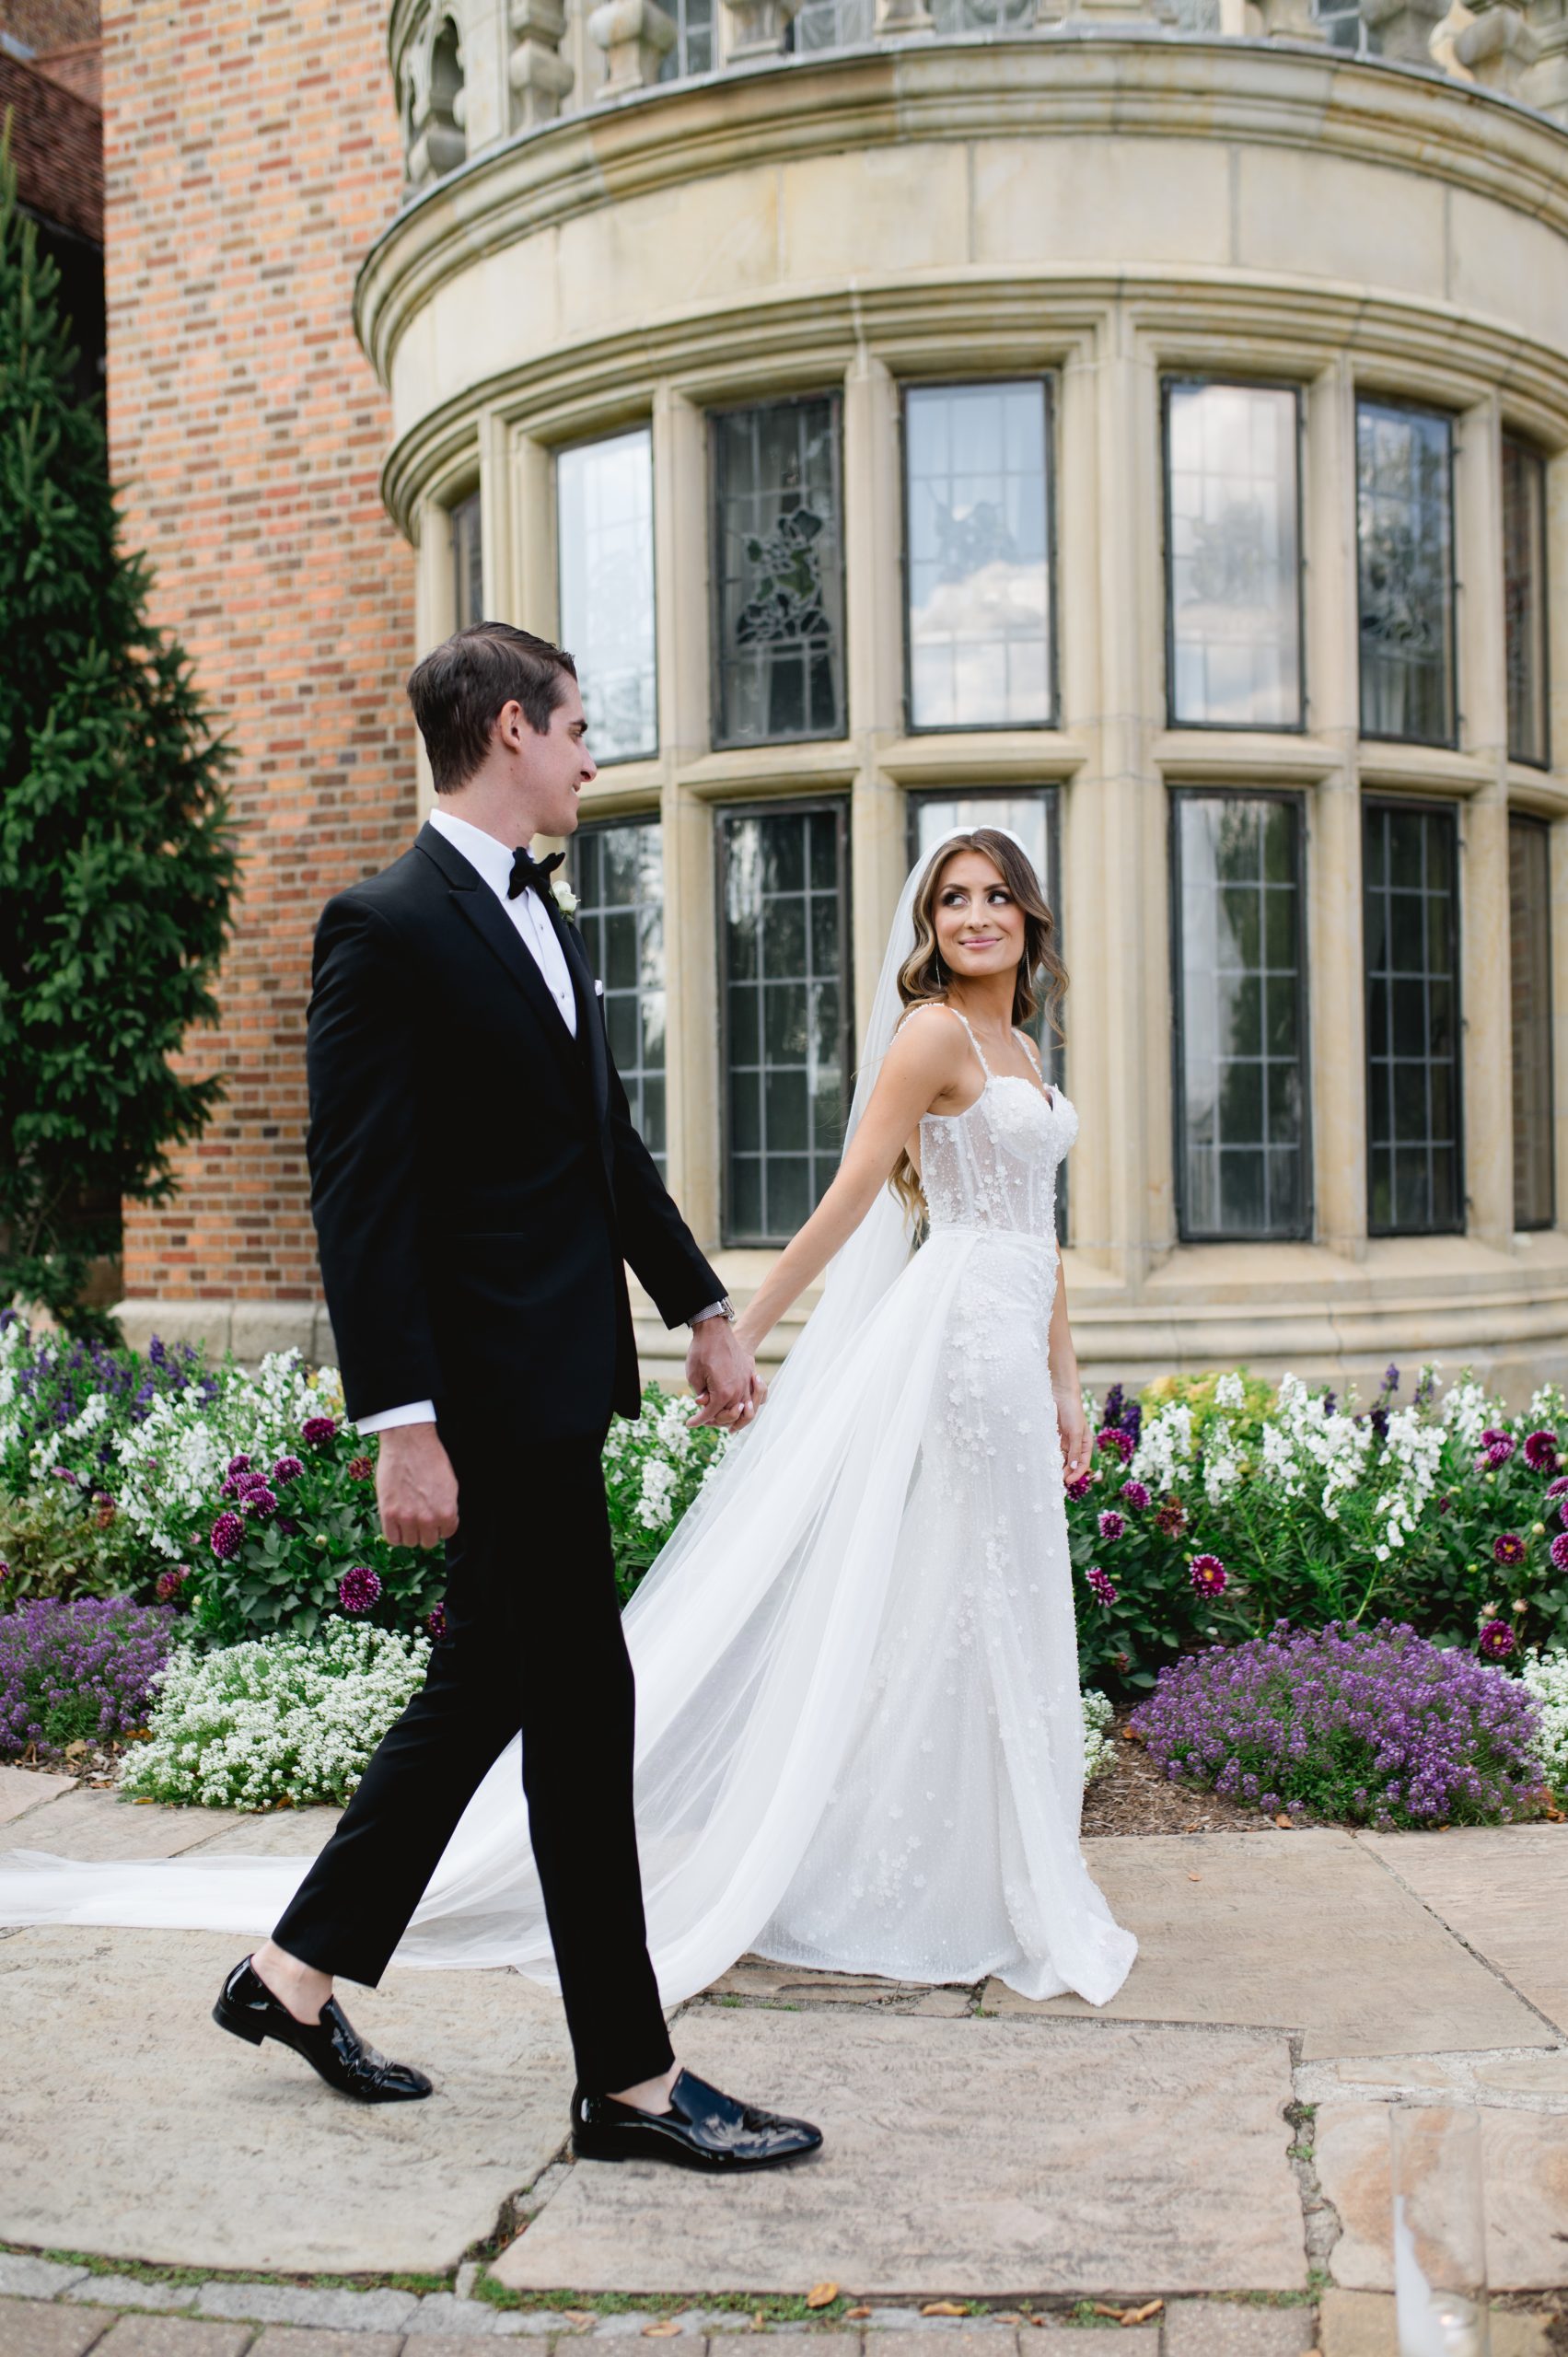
{"x":492,"y":861}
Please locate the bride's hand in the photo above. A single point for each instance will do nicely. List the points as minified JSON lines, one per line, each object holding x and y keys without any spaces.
{"x":1073,"y":1425}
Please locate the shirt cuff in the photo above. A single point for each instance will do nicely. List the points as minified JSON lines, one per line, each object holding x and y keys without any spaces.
{"x":418,"y":1411}
{"x":714,"y":1309}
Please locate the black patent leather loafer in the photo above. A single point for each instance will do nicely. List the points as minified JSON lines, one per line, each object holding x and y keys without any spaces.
{"x":703,"y":2130}
{"x":332,"y":2046}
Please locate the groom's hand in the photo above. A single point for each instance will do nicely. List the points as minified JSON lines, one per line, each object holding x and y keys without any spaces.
{"x":723,"y":1375}
{"x":415,"y":1487}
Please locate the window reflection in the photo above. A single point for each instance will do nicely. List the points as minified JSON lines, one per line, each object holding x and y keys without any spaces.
{"x":1404,"y":529}
{"x":1529,"y":928}
{"x":618,"y":875}
{"x":1232,"y":555}
{"x":1524,"y":591}
{"x":1411,"y":948}
{"x":778,"y":567}
{"x":604,"y":497}
{"x":978,"y":556}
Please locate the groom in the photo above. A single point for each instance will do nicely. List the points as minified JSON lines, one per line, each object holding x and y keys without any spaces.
{"x":477,"y":1186}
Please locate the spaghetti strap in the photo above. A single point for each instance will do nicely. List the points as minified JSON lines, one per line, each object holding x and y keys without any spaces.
{"x":919,"y":1008}
{"x":1033,"y":1054}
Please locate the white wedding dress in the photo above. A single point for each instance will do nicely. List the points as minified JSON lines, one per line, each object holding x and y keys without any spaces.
{"x":860,"y":1745}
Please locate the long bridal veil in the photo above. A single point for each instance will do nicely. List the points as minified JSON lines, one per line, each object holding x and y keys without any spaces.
{"x":750,"y":1638}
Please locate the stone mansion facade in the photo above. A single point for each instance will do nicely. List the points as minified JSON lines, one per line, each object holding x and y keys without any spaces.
{"x":1142,"y":420}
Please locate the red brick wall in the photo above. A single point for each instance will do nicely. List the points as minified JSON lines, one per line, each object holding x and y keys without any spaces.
{"x":250,"y":156}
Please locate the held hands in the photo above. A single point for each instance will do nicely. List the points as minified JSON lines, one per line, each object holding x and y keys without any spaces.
{"x":721,"y":1372}
{"x":416,"y":1489}
{"x":1073,"y":1425}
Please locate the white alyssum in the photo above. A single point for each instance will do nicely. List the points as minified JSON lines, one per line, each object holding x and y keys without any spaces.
{"x":173,"y":1463}
{"x":248,"y":1726}
{"x":1098,"y":1746}
{"x":1546,"y":1677}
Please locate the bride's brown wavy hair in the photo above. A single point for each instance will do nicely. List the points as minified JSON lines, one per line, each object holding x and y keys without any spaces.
{"x":1040,"y":975}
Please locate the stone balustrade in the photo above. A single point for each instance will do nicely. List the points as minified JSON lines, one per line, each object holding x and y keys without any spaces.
{"x":471,"y":73}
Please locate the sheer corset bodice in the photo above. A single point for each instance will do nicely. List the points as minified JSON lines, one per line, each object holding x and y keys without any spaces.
{"x":993,"y":1166}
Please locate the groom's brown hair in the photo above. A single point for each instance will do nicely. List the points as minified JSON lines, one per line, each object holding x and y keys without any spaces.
{"x":458,"y":691}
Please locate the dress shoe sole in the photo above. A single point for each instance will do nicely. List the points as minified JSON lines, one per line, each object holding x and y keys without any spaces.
{"x":241,"y":2024}
{"x":612,"y":2146}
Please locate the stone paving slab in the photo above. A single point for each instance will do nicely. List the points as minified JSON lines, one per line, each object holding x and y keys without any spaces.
{"x":86,"y":1824}
{"x":283,"y":2341}
{"x":270,"y":1833}
{"x":961,"y":2156}
{"x":23,"y":2278}
{"x":783,"y":1984}
{"x":1504,"y":1890}
{"x":333,"y":2309}
{"x":22,"y":1789}
{"x":1362,"y":2324}
{"x":133,"y":2291}
{"x":166,"y":2337}
{"x":29,"y":2329}
{"x":1525,"y":2165}
{"x":1306,"y":1931}
{"x":1227,"y":2329}
{"x":131,"y":2123}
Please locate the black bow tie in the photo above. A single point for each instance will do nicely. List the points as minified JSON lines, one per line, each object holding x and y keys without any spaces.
{"x":527,"y":870}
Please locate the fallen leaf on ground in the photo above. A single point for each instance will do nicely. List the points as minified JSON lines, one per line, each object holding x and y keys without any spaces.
{"x":144,"y":1800}
{"x":1007,"y":2315}
{"x":858,"y":2315}
{"x":822,"y":2294}
{"x":578,"y":2315}
{"x":1192,"y":1877}
{"x":943,"y":2308}
{"x":661,"y":2331}
{"x":1141,"y":2316}
{"x":77,"y":1750}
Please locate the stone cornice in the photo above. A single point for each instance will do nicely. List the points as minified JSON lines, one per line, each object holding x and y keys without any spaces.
{"x":724,"y":349}
{"x":1259,"y":93}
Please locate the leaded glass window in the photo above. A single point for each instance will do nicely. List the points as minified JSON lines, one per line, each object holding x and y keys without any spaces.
{"x":617,"y":875}
{"x":784,"y":925}
{"x":1032,"y":816}
{"x":1242,"y":1157}
{"x":468,"y":563}
{"x":1411,"y":942}
{"x":1233,"y":555}
{"x":604,"y":503}
{"x":1405,"y":536}
{"x":1529,"y":931}
{"x":693,"y":49}
{"x":1524,"y":591}
{"x":778,"y":573}
{"x":978,"y":505}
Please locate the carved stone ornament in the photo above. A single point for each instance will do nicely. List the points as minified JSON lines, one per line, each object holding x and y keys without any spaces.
{"x":635,"y":35}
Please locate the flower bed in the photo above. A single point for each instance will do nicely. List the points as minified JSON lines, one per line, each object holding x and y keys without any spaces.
{"x":81,"y":1672}
{"x":1370,"y":1726}
{"x":276,"y":1722}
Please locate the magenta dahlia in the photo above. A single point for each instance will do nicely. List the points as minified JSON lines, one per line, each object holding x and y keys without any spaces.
{"x":1496,"y":1641}
{"x":1209,"y":1575}
{"x":1101,"y":1583}
{"x":317,"y":1431}
{"x":227,"y":1537}
{"x":1136,"y":1495}
{"x":1509,"y":1549}
{"x":1540,"y":1452}
{"x":1112,"y":1437}
{"x":359,"y":1590}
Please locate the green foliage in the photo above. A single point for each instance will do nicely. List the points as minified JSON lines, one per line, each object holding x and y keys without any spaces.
{"x":117,"y":863}
{"x":52,"y":1544}
{"x":294,"y":1554}
{"x":653,"y":1470}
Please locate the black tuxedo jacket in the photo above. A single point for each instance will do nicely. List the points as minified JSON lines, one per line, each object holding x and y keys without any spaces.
{"x":476,"y":1181}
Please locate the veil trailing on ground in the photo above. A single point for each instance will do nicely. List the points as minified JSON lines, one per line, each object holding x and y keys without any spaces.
{"x":749,"y":1637}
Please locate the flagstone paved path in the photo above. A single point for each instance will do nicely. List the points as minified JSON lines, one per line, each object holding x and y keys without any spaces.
{"x":1211,"y":2148}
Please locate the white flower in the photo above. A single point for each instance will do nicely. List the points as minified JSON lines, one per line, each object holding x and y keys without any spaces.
{"x":565,"y":898}
{"x":1546,"y":1677}
{"x":1230,"y":1392}
{"x":1098,"y":1747}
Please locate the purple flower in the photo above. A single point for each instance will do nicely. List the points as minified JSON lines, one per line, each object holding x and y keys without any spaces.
{"x":1496,"y":1641}
{"x":1136,"y":1495}
{"x":1491,"y":1432}
{"x":1390,"y":1377}
{"x":1080,"y":1485}
{"x":1560,"y":1551}
{"x":1375,"y":1725}
{"x":1540,"y":1452}
{"x":1509,"y":1549}
{"x":317,"y":1431}
{"x":1114,"y":1400}
{"x":1101,"y":1583}
{"x":227,"y":1536}
{"x":289,"y":1527}
{"x":64,"y":1473}
{"x":1111,"y":1436}
{"x":170,"y":1582}
{"x":258,"y":1503}
{"x":360,"y":1469}
{"x":1559,"y":1486}
{"x":1111,"y":1524}
{"x":1208,"y":1575}
{"x":1330,"y":1402}
{"x":1171,"y":1519}
{"x":237,"y":1466}
{"x":359,"y":1590}
{"x":287,"y":1468}
{"x":79,"y":1671}
{"x":1445,"y":1504}
{"x":1498,"y":1451}
{"x":436,"y":1622}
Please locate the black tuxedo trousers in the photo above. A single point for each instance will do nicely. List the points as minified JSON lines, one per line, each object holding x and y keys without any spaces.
{"x":534,"y":1643}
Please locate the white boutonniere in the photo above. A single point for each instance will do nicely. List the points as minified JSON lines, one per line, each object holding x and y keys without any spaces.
{"x":565,"y":898}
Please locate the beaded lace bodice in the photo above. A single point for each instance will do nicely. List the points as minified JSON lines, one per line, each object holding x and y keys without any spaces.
{"x":993,"y":1166}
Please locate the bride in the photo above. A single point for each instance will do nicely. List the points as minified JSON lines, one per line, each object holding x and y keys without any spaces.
{"x":859,"y":1738}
